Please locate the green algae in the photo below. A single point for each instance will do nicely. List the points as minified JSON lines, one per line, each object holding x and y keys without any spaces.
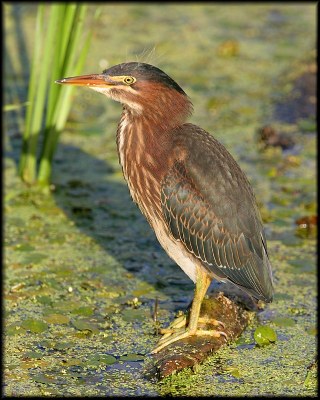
{"x":84,"y":252}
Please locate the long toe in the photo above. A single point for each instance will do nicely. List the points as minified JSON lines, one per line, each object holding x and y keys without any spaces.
{"x":211,"y":321}
{"x":167,"y":339}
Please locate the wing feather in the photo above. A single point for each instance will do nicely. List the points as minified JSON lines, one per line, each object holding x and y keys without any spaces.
{"x":230,"y":244}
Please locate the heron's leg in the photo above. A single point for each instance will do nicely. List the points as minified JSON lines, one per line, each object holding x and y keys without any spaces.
{"x":178,"y":330}
{"x":202,"y":284}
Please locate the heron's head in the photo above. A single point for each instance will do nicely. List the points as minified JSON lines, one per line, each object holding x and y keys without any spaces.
{"x":142,"y":88}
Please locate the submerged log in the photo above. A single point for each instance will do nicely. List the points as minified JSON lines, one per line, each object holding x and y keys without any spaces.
{"x":233,"y":311}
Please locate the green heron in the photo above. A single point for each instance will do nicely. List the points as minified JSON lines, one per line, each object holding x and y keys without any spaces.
{"x":191,"y":190}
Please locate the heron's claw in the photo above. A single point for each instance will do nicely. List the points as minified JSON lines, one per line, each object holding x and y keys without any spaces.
{"x":211,"y":321}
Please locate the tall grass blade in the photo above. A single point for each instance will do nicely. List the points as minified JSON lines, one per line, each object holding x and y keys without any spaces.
{"x":63,"y":103}
{"x":67,"y":14}
{"x":25,"y":173}
{"x":49,"y":105}
{"x":40,"y":100}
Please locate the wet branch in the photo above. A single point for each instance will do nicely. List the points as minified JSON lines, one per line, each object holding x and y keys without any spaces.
{"x":231,"y":308}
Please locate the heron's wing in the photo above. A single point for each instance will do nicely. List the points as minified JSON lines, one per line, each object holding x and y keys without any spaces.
{"x":214,"y":214}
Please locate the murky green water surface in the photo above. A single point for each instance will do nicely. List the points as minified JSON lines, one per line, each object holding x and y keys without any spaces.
{"x":83,"y":268}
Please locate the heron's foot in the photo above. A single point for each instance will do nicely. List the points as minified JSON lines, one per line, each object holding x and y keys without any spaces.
{"x":178,"y":330}
{"x":211,"y":321}
{"x":177,"y":325}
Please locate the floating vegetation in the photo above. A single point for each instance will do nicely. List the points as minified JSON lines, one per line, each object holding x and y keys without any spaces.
{"x":264,"y":335}
{"x":34,"y":325}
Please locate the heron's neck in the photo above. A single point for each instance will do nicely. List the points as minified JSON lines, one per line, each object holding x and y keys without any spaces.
{"x":145,"y":142}
{"x":144,"y":139}
{"x":161,"y":109}
{"x":141,"y":142}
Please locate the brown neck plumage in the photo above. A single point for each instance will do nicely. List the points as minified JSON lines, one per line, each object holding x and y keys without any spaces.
{"x":144,"y":139}
{"x":146,"y":133}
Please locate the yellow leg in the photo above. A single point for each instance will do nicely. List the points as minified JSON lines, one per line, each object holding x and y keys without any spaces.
{"x":202,"y":284}
{"x":178,"y":330}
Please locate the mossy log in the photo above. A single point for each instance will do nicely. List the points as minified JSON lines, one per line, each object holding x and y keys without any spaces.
{"x":233,"y":308}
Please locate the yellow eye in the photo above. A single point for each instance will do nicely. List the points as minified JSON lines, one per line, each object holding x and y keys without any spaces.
{"x":129,"y":80}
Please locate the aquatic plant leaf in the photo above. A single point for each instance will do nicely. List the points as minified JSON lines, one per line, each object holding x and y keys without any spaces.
{"x":23,"y":247}
{"x":44,"y":299}
{"x":34,"y":325}
{"x":131,"y":315}
{"x":283,"y":321}
{"x":34,"y":258}
{"x":14,"y":329}
{"x":101,"y":359}
{"x":264,"y":335}
{"x":56,"y":319}
{"x":132,"y":357}
{"x":33,"y":354}
{"x":85,"y":326}
{"x":233,"y":371}
{"x":43,"y":378}
{"x":85,"y":310}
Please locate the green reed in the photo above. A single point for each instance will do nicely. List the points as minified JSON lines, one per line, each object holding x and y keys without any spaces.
{"x":59,"y":33}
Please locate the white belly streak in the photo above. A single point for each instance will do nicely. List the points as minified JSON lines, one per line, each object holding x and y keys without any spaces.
{"x":176,"y":251}
{"x":121,"y":143}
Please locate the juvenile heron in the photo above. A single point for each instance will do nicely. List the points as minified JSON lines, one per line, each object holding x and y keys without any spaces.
{"x":191,"y":190}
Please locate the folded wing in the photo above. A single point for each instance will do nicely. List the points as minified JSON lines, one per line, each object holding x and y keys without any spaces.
{"x":214,"y":214}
